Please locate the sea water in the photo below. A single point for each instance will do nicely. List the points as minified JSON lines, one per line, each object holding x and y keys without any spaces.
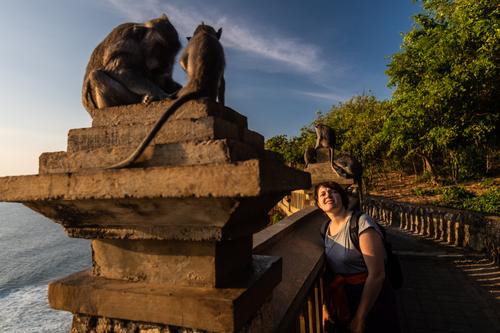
{"x":33,"y":251}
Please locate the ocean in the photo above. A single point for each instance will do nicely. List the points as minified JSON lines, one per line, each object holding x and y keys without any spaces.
{"x":33,"y":251}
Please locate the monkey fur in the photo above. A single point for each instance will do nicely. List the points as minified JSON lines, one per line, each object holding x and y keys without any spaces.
{"x":309,"y":156}
{"x":133,"y":64}
{"x":325,"y":138}
{"x":351,"y":168}
{"x":203,"y":61}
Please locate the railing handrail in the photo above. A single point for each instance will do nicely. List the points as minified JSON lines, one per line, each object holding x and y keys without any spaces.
{"x":297,"y":240}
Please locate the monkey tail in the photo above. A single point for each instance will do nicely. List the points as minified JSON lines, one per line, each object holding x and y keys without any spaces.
{"x":156,"y":128}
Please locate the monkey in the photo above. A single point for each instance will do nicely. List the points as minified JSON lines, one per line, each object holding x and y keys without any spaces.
{"x":133,"y":64}
{"x":325,"y":138}
{"x":309,"y":156}
{"x":203,"y":61}
{"x":352,"y":168}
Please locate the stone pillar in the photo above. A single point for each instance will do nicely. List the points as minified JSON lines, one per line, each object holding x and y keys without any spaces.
{"x":425,"y":221}
{"x":430,"y":224}
{"x":171,"y":234}
{"x":450,"y":226}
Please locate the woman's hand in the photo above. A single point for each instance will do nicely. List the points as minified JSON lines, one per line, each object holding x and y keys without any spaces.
{"x":326,"y":317}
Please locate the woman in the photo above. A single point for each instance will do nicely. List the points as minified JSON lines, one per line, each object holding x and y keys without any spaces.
{"x":357,"y":296}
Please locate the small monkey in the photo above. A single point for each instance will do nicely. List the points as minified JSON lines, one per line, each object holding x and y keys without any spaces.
{"x":203,"y":61}
{"x":351,"y":168}
{"x":325,"y":138}
{"x":133,"y":64}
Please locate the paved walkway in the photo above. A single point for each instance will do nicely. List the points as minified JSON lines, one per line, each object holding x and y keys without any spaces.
{"x":445,"y":290}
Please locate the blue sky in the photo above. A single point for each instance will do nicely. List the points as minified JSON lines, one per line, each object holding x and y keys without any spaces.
{"x":286,"y":60}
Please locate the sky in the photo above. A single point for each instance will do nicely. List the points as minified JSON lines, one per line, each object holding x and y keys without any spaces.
{"x":285,"y":60}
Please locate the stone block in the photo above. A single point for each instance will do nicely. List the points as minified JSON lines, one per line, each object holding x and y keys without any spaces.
{"x":176,"y":263}
{"x":176,"y":154}
{"x":241,"y":179}
{"x":212,"y":309}
{"x":208,"y":128}
{"x":140,"y":113}
{"x":322,"y":172}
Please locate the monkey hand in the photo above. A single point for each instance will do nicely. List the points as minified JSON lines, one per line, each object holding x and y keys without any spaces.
{"x":148,"y":98}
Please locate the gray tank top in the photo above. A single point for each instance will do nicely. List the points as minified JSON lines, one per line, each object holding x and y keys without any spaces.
{"x":341,"y":255}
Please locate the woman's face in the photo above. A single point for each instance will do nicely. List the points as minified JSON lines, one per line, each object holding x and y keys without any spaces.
{"x":329,"y":200}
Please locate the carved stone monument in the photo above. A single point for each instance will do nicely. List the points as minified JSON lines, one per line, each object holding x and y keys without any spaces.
{"x":171,"y":235}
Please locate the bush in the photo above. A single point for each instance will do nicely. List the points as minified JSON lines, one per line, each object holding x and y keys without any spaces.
{"x":455,"y":196}
{"x":458,"y":197}
{"x":489,"y":202}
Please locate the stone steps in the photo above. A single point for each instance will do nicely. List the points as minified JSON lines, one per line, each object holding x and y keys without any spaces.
{"x":139,"y":113}
{"x":181,"y":130}
{"x":178,"y":154}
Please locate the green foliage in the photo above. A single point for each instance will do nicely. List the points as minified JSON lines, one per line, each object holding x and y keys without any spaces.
{"x":489,"y":202}
{"x":292,"y":149}
{"x":458,"y":197}
{"x":275,"y":216}
{"x":447,"y":82}
{"x":442,"y":120}
{"x":455,"y":196}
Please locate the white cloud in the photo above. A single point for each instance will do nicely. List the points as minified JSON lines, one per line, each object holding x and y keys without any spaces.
{"x":329,"y":96}
{"x":293,"y":53}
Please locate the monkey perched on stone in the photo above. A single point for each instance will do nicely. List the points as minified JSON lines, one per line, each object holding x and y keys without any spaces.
{"x":203,"y":61}
{"x":325,"y":138}
{"x":133,"y":64}
{"x":349,"y":167}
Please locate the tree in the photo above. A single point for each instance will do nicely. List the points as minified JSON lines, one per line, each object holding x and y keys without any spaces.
{"x":358,"y":123}
{"x":445,"y":105}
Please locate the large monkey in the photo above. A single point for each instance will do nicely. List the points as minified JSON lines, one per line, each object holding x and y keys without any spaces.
{"x":203,"y":61}
{"x":133,"y":64}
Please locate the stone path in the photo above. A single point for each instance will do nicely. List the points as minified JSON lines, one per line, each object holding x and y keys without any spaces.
{"x":445,"y":290}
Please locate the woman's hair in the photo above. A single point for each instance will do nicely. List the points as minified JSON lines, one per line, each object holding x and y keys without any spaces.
{"x":337,"y":188}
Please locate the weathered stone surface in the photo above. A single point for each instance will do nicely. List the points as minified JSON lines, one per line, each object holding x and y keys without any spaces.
{"x":322,"y":172}
{"x":160,"y":218}
{"x":177,"y":263}
{"x":140,"y":113}
{"x":241,"y":179}
{"x":178,"y":154}
{"x":90,"y":324}
{"x":212,"y":309}
{"x":208,"y":128}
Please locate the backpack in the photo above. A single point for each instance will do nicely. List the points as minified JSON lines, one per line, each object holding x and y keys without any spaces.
{"x":392,"y":265}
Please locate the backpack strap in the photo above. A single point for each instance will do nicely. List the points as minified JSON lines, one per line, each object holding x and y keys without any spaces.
{"x":324,"y":228}
{"x":354,"y":228}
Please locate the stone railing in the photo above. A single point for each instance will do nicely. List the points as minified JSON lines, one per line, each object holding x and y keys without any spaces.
{"x":460,"y":228}
{"x":297,"y":301}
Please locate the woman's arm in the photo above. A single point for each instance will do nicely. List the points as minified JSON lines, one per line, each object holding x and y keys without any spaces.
{"x":372,"y":248}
